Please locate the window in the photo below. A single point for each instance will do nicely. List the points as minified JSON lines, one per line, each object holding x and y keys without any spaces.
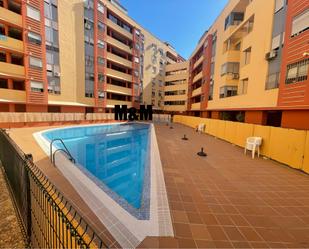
{"x":276,"y":42}
{"x":34,"y":38}
{"x":137,"y":33}
{"x":2,"y":56}
{"x":235,"y":18}
{"x":272,"y":81}
{"x":100,"y":60}
{"x":51,"y":35}
{"x":100,"y":8}
{"x":101,"y":44}
{"x":237,"y":46}
{"x":101,"y":95}
{"x":33,"y":13}
{"x":54,"y":13}
{"x":297,"y":72}
{"x":35,"y":62}
{"x":243,"y":86}
{"x":36,"y":86}
{"x":279,"y":5}
{"x":228,"y":91}
{"x":101,"y":77}
{"x":230,"y":68}
{"x":161,"y":51}
{"x":247,"y":56}
{"x":300,"y":23}
{"x":3,"y":83}
{"x":88,"y":4}
{"x":101,"y":26}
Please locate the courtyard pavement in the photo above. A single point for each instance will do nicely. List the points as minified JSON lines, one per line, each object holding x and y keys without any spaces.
{"x":225,"y":200}
{"x":228,"y":200}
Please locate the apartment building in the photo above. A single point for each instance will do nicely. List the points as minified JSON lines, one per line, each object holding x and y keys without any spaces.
{"x":252,"y":65}
{"x":77,"y":56}
{"x":176,"y":87}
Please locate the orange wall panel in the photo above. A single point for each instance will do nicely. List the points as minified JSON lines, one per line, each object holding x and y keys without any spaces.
{"x":295,"y":119}
{"x":72,"y":109}
{"x":255,"y":117}
{"x":36,"y":108}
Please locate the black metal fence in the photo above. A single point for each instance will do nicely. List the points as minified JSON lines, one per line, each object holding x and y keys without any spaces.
{"x":48,"y":220}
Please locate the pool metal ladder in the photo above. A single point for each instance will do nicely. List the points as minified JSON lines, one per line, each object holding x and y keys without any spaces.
{"x":65,"y":150}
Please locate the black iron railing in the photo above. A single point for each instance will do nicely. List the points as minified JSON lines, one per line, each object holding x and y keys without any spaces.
{"x":48,"y":220}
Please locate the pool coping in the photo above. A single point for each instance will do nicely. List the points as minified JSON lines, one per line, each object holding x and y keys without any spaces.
{"x":125,"y":228}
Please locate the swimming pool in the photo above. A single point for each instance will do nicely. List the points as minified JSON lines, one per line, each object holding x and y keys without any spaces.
{"x":118,"y":173}
{"x":116,"y":157}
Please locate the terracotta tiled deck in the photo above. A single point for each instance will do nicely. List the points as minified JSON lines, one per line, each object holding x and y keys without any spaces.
{"x":225,"y":200}
{"x":228,"y":199}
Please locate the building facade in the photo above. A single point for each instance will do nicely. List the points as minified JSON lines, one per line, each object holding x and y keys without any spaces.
{"x":86,"y":61}
{"x":176,"y":87}
{"x":252,"y":65}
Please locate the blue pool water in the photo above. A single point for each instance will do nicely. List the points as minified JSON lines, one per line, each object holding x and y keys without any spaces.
{"x":116,"y":155}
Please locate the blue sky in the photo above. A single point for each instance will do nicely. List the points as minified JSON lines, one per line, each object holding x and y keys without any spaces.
{"x":180,"y":22}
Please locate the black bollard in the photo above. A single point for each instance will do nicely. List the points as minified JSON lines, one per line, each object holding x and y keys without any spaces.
{"x":202,"y":153}
{"x":185,"y":137}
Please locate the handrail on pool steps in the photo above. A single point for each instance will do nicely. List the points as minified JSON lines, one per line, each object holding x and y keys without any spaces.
{"x":65,"y":150}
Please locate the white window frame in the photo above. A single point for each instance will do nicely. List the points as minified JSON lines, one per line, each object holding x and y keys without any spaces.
{"x":36,"y":86}
{"x":35,"y":62}
{"x":101,"y":8}
{"x":300,"y":23}
{"x":33,"y":13}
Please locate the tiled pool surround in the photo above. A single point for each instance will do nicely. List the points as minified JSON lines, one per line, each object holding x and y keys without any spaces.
{"x":128,"y":226}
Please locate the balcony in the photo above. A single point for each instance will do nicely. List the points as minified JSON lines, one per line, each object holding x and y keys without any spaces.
{"x":175,"y":108}
{"x":111,"y":103}
{"x":198,"y":62}
{"x":13,"y":95}
{"x":11,"y":44}
{"x":119,"y":60}
{"x":197,"y":91}
{"x":175,"y":97}
{"x":231,"y":55}
{"x":10,"y":17}
{"x":118,"y":75}
{"x":14,"y":71}
{"x":119,"y":44}
{"x":175,"y":77}
{"x":230,"y":79}
{"x":119,"y":29}
{"x":119,"y":89}
{"x":198,"y":76}
{"x":196,"y":106}
{"x":176,"y":87}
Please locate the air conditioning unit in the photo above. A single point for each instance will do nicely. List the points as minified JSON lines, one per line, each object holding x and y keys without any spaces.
{"x":271,"y":55}
{"x":235,"y":76}
{"x":57,"y":74}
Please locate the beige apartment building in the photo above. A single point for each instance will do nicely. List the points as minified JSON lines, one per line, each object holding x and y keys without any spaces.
{"x":252,"y":64}
{"x":77,"y":56}
{"x":176,"y":87}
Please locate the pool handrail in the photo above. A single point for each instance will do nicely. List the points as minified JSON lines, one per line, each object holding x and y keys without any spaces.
{"x":65,"y":150}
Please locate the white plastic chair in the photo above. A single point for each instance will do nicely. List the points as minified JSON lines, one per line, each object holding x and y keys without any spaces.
{"x":253,"y":144}
{"x":201,"y":128}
